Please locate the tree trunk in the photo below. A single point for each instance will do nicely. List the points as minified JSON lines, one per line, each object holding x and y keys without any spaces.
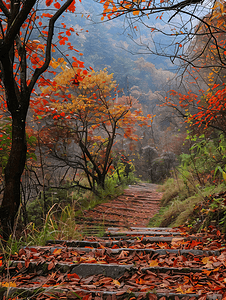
{"x":13,"y":172}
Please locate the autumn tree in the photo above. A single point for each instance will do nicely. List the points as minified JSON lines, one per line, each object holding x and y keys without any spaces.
{"x":23,"y":59}
{"x":205,"y":108}
{"x":177,"y":22}
{"x":88,"y":113}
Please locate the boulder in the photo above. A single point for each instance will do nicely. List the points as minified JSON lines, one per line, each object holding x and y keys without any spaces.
{"x":161,"y":166}
{"x":148,"y":155}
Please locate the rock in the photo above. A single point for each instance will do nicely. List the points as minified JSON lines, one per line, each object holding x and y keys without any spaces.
{"x":161,"y":166}
{"x":148,"y":155}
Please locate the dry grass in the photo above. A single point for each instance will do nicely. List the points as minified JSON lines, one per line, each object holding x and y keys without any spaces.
{"x":179,"y":199}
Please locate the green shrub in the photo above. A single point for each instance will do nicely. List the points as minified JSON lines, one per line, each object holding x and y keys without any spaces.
{"x":190,"y":197}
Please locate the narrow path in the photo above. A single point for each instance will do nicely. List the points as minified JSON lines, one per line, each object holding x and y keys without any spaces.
{"x":129,"y":262}
{"x":134,"y":208}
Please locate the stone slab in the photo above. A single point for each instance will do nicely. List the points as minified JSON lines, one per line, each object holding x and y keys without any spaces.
{"x":108,"y":270}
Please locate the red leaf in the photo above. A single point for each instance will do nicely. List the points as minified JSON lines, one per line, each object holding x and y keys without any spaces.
{"x":27,"y":263}
{"x":87,"y":297}
{"x":49,"y":2}
{"x":19,"y":266}
{"x":74,"y":275}
{"x":51,"y":265}
{"x":57,"y":5}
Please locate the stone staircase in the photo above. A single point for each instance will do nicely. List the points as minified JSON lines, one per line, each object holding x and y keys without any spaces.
{"x":136,"y":263}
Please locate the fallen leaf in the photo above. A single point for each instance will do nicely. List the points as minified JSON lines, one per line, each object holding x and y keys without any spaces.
{"x":51,"y":265}
{"x":153,"y":263}
{"x":152,"y":297}
{"x":57,"y":251}
{"x":73,"y":275}
{"x":116,"y":282}
{"x":27,"y":263}
{"x":8,"y":284}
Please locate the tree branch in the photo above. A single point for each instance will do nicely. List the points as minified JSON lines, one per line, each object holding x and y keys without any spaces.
{"x":52,"y":21}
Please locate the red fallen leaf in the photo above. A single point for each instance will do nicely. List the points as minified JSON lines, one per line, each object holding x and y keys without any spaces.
{"x":194,"y":243}
{"x":74,"y":275}
{"x":120,"y":293}
{"x":51,"y":265}
{"x":123,"y":254}
{"x":87,"y":297}
{"x":164,"y":298}
{"x":185,"y":298}
{"x":115,"y":247}
{"x":19,"y":266}
{"x":33,"y":250}
{"x":22,"y":252}
{"x":27,"y":263}
{"x":203,"y":297}
{"x":153,"y":297}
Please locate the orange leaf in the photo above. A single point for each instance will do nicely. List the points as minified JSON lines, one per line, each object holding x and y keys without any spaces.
{"x":136,"y":12}
{"x":207,"y":272}
{"x":57,"y":251}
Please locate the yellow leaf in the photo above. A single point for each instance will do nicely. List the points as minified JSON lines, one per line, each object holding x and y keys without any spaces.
{"x":54,"y":64}
{"x":205,"y":260}
{"x":154,"y":263}
{"x":224,"y":176}
{"x":116,"y":282}
{"x":8,"y":284}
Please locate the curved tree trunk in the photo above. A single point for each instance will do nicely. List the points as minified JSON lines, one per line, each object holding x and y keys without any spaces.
{"x":17,"y":95}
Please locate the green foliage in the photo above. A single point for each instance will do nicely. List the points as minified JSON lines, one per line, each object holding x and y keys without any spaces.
{"x":123,"y":173}
{"x":191,"y":197}
{"x":207,"y":155}
{"x":55,"y":199}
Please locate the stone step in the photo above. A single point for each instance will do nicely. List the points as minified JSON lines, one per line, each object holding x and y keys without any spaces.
{"x":32,"y":293}
{"x":120,"y":213}
{"x":109,"y":251}
{"x":118,"y":240}
{"x":145,"y":232}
